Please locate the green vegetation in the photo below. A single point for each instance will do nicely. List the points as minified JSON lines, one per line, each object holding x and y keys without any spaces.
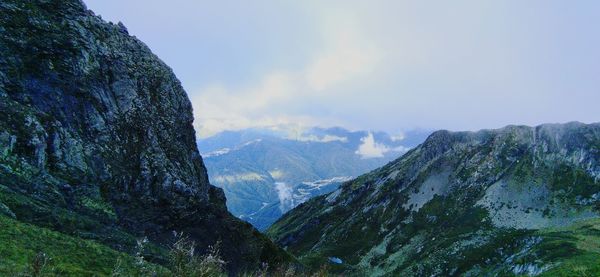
{"x":98,"y":206}
{"x":86,"y":223}
{"x":574,"y":181}
{"x":575,"y":249}
{"x":184,"y":263}
{"x":489,"y":217}
{"x":27,"y":249}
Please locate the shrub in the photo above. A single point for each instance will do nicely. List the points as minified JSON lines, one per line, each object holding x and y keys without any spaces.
{"x":184,"y":262}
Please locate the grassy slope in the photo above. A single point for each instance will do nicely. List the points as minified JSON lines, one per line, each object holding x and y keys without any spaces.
{"x":574,"y":250}
{"x":579,"y":246}
{"x":71,"y":256}
{"x":442,"y":224}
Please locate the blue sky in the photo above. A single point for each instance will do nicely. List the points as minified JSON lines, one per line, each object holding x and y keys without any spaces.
{"x":379,"y":65}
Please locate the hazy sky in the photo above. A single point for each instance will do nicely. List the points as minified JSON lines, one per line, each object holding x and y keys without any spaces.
{"x":379,"y":65}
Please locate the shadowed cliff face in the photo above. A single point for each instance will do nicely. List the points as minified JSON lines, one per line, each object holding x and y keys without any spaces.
{"x":95,"y":129}
{"x":481,"y":203}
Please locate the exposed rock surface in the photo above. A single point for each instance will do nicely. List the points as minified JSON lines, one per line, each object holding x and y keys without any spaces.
{"x":471,"y":203}
{"x":96,"y":137}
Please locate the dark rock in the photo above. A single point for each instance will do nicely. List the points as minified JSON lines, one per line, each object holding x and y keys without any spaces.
{"x":82,"y":102}
{"x":122,"y":28}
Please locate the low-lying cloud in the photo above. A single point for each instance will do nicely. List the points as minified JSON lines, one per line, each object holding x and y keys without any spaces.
{"x":284,"y":193}
{"x":326,"y":138}
{"x":371,"y":149}
{"x":284,"y":96}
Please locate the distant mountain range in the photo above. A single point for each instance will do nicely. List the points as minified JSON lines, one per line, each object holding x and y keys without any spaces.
{"x":267,"y":171}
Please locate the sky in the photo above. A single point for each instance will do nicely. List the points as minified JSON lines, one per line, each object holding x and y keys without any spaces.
{"x":375,"y":65}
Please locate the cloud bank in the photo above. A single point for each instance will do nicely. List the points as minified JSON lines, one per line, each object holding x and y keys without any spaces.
{"x":379,"y":65}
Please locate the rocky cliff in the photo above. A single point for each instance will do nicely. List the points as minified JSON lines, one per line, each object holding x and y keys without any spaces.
{"x":96,"y":138}
{"x":517,"y":200}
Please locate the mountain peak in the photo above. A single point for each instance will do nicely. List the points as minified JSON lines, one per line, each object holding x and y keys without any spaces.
{"x":457,"y":196}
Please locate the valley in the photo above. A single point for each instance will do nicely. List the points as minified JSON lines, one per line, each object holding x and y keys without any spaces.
{"x":265,"y":173}
{"x":106,"y":169}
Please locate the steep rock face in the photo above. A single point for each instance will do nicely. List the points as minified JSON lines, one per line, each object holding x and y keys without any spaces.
{"x":461,"y":203}
{"x":95,"y":129}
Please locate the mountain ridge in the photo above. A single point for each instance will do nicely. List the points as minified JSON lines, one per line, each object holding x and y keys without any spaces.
{"x":468,"y":193}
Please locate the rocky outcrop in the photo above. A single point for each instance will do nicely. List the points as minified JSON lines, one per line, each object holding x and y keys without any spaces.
{"x":95,"y":126}
{"x":472,"y":203}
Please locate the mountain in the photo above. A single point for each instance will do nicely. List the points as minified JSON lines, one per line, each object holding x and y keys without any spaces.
{"x":267,"y":171}
{"x":513,"y":201}
{"x":97,"y":145}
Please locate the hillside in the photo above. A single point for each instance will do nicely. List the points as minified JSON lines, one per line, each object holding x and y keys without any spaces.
{"x":266,"y":172}
{"x":97,"y":143}
{"x":517,"y":200}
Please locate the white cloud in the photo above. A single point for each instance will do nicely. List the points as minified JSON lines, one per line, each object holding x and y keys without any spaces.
{"x":251,"y":176}
{"x":398,"y":137}
{"x":350,"y":57}
{"x":218,"y":108}
{"x":326,"y":138}
{"x":345,"y":55}
{"x":385,"y":65}
{"x":284,"y":192}
{"x":371,"y":149}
